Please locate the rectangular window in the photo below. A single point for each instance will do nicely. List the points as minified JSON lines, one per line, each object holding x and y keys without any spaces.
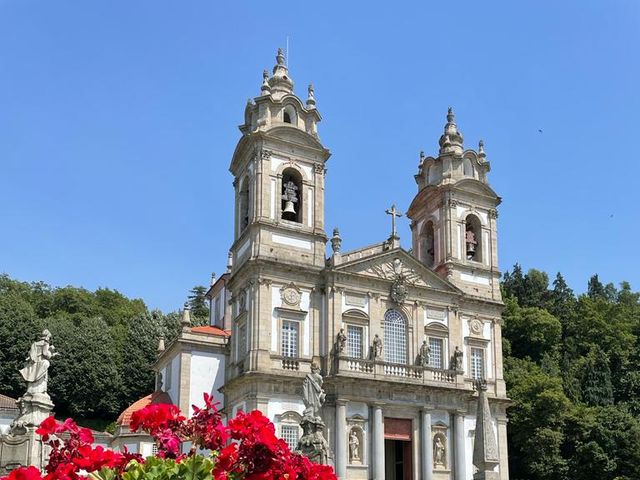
{"x":216,"y":313}
{"x":289,"y":339}
{"x":242,"y":340}
{"x":477,"y":363}
{"x":354,"y":341}
{"x":290,"y":434}
{"x":437,"y":352}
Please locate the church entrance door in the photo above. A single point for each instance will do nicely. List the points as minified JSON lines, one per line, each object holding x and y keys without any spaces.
{"x":397,"y":449}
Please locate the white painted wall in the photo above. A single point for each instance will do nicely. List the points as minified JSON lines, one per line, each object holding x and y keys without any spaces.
{"x":207,"y":375}
{"x":173,"y":387}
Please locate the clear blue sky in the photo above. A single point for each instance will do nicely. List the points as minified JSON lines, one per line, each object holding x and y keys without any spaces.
{"x":118,"y":120}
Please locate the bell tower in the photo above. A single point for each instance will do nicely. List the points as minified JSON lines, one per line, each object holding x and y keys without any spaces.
{"x":279,"y":171}
{"x":454,"y":215}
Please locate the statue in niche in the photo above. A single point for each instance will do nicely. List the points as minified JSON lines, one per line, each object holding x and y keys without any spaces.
{"x":456,"y":360}
{"x":439,"y":452}
{"x":377,"y":347}
{"x":35,"y":373}
{"x":341,"y":341}
{"x":313,"y":395}
{"x":354,"y":447}
{"x":425,"y":354}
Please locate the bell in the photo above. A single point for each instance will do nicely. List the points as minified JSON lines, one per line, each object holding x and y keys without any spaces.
{"x":289,"y":207}
{"x":471,"y":250}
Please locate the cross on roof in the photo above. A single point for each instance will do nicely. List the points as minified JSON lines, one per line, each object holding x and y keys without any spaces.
{"x":394,"y":212}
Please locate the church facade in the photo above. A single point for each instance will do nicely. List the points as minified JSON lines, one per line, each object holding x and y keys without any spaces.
{"x":399,"y":336}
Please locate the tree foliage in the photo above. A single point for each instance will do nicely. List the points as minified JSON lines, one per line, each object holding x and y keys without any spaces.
{"x":107,"y":344}
{"x":571,"y":371}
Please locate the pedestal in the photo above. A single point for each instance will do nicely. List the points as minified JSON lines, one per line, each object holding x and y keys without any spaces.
{"x":312,"y":444}
{"x":22,"y":446}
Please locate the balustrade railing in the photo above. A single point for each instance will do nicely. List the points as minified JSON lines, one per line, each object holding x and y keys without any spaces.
{"x":379,"y":369}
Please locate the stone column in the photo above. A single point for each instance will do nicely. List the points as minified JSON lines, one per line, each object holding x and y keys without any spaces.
{"x":378,"y":443}
{"x":426,"y":444}
{"x":459,"y":446}
{"x":341,"y":439}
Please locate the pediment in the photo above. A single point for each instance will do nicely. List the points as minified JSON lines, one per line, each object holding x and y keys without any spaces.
{"x":397,"y":263}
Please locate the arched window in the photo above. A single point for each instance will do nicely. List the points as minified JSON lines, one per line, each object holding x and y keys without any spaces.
{"x":244,"y":204}
{"x":292,"y":195}
{"x":467,"y":168}
{"x":427,"y":251}
{"x":473,"y":238}
{"x":433,"y":174}
{"x":289,"y":115}
{"x":395,"y":337}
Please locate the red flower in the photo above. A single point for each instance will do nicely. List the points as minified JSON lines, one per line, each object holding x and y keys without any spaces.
{"x":48,"y":427}
{"x":24,"y":473}
{"x":205,"y":428}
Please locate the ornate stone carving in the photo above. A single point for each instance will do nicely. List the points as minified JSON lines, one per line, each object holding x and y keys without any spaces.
{"x":475,"y":326}
{"x":266,"y":154}
{"x":453,"y":203}
{"x":242,"y":301}
{"x":291,"y":295}
{"x":399,"y":290}
{"x":313,"y":394}
{"x":319,"y":168}
{"x":493,"y":213}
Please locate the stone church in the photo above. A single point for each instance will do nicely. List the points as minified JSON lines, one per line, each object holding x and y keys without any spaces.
{"x":400,"y":336}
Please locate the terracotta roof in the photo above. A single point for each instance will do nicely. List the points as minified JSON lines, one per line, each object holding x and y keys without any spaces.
{"x":211,"y":330}
{"x":152,"y":399}
{"x":7,"y":403}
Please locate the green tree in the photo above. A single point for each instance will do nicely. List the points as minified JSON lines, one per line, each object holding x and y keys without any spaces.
{"x":532,"y":332}
{"x":199,"y":305}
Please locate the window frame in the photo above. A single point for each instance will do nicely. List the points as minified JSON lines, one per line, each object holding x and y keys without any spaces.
{"x":297,"y":325}
{"x":386,"y":334}
{"x":483,"y":365}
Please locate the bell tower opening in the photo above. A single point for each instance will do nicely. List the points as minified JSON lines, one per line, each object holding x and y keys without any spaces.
{"x":428,"y":245}
{"x":473,"y":238}
{"x":292,"y":195}
{"x":287,"y":117}
{"x":244,"y":204}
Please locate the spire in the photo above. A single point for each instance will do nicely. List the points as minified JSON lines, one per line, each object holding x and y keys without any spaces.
{"x":311,"y":100}
{"x":212,"y":281}
{"x":422,"y":157}
{"x":160,"y":345}
{"x":280,"y":82}
{"x":451,"y":139}
{"x":485,"y":447}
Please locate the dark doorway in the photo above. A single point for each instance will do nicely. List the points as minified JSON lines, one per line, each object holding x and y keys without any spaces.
{"x":397,"y":460}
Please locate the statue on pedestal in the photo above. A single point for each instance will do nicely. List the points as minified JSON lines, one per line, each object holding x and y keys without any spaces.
{"x":341,"y":341}
{"x":354,"y":447}
{"x":312,"y":444}
{"x":377,"y":347}
{"x":22,"y":445}
{"x":425,"y":354}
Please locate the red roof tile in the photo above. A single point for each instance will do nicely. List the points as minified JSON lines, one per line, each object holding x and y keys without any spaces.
{"x":7,"y":403}
{"x":211,"y":330}
{"x":152,"y":399}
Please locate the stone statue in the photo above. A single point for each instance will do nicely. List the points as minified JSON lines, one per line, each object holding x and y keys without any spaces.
{"x":425,"y":354}
{"x":377,"y":347}
{"x":457,"y":360}
{"x":312,"y":393}
{"x":312,"y":444}
{"x":439,"y":452}
{"x":35,"y":373}
{"x":354,"y":444}
{"x":341,"y":341}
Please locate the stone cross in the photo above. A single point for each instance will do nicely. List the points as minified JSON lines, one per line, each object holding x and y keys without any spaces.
{"x":394,"y":212}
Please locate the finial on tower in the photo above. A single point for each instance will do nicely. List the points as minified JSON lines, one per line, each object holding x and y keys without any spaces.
{"x":186,"y":317}
{"x":280,"y":83}
{"x":481,"y":149}
{"x":422,"y":156}
{"x":266,"y":88}
{"x":311,"y":99}
{"x":160,"y":345}
{"x":213,"y":278}
{"x":336,"y":241}
{"x":451,"y":139}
